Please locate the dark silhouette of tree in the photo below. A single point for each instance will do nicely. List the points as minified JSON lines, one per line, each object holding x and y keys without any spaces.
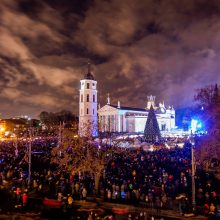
{"x":205,"y":96}
{"x":51,"y":119}
{"x":210,"y":144}
{"x":206,"y":99}
{"x":44,"y":117}
{"x":152,"y":131}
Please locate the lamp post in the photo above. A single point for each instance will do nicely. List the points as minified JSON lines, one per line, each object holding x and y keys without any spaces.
{"x":59,"y":135}
{"x":16,"y":146}
{"x":29,"y":158}
{"x":193,"y":174}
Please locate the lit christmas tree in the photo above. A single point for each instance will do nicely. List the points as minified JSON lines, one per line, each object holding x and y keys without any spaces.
{"x":152,"y":131}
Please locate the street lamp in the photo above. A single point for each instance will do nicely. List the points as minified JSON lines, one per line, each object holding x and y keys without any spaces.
{"x":61,"y":127}
{"x":193,"y":173}
{"x":29,"y":158}
{"x":29,"y":153}
{"x":16,"y":146}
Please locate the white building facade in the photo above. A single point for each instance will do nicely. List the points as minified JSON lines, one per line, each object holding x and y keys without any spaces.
{"x":116,"y":118}
{"x":88,"y":106}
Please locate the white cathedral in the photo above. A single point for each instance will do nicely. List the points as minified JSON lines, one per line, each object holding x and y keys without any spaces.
{"x":116,"y":118}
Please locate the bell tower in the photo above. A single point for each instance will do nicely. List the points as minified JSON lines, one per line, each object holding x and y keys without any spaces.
{"x":88,"y":123}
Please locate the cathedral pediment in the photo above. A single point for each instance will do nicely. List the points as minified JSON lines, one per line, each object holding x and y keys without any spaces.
{"x":107,"y":108}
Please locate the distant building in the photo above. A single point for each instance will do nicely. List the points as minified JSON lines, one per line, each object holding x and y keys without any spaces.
{"x":2,"y":127}
{"x":17,"y":126}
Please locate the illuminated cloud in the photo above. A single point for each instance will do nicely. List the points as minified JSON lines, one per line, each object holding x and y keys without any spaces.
{"x":166,"y":48}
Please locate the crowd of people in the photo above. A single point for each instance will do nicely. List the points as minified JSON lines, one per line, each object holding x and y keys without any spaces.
{"x":159,"y":179}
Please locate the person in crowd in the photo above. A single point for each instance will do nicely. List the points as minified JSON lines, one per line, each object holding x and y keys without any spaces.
{"x":155,"y":178}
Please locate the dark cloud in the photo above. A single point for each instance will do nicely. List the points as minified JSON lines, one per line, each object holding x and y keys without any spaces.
{"x":167,"y":48}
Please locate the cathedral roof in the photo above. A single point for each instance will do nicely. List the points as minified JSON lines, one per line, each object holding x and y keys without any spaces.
{"x":129,"y":108}
{"x":157,"y":111}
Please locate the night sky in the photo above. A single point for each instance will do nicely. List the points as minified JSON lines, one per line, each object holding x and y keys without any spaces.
{"x":166,"y":48}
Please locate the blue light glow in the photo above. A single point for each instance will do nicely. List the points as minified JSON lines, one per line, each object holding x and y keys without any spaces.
{"x":196,"y":125}
{"x":193,"y":125}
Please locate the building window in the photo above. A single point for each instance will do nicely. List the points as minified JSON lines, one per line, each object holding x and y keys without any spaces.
{"x":87,"y":111}
{"x":93,"y":98}
{"x":93,"y":112}
{"x":81,"y":98}
{"x":81,"y":111}
{"x":87,"y":98}
{"x":163,"y":127}
{"x":93,"y":84}
{"x":87,"y":85}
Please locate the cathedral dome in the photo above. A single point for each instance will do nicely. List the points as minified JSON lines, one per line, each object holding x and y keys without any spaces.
{"x":89,"y":75}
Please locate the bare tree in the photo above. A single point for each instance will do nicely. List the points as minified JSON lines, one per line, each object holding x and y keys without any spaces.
{"x":205,"y":96}
{"x":86,"y":155}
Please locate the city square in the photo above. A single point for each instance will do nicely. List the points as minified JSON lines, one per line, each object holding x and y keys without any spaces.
{"x":110,"y":110}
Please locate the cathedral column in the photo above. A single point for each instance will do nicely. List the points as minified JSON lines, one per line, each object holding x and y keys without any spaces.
{"x":115,"y":116}
{"x":124,"y":123}
{"x":119,"y":123}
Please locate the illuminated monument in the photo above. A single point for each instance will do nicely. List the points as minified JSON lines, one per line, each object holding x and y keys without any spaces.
{"x":88,"y":105}
{"x":117,"y":118}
